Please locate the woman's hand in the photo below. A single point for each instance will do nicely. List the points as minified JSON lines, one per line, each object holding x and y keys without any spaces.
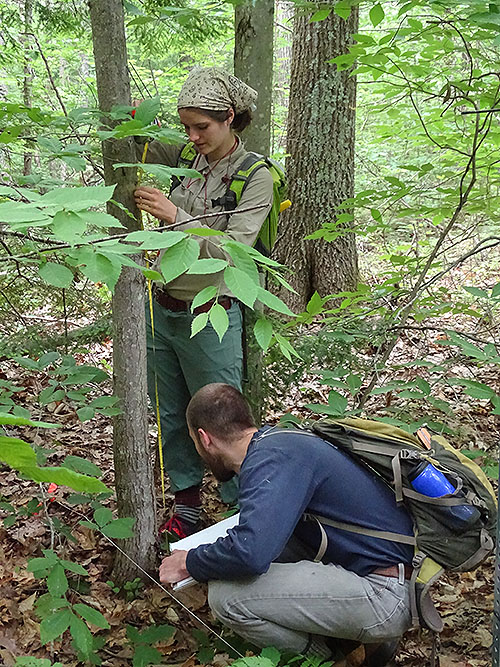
{"x":154,"y":202}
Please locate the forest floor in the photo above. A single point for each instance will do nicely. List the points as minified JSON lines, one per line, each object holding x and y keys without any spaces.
{"x":465,"y":601}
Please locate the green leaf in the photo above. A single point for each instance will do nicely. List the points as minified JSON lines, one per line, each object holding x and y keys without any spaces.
{"x":16,"y":420}
{"x":272,"y":301}
{"x":56,"y":274}
{"x":163,"y":173}
{"x":97,"y":266}
{"x":219,"y":319}
{"x":199,"y":323}
{"x":50,"y":395}
{"x":55,"y":625}
{"x":152,"y":275}
{"x":145,"y":655}
{"x":244,"y":258}
{"x":91,"y":615}
{"x":337,"y":402}
{"x":76,"y":568}
{"x":204,"y":231}
{"x":202,"y":297}
{"x":477,"y":291}
{"x":57,"y":582}
{"x":14,"y":213}
{"x":47,"y":359}
{"x":86,"y":413}
{"x":263,"y":332}
{"x":478,"y":389}
{"x":68,"y":226}
{"x":19,"y":455}
{"x":103,"y":516}
{"x":104,"y":401}
{"x":119,"y":528}
{"x":286,"y":347}
{"x":207,"y":266}
{"x":77,"y":199}
{"x":315,"y":304}
{"x":321,"y":15}
{"x":148,"y":109}
{"x":82,"y":636}
{"x":84,"y":466}
{"x":271,"y":654}
{"x":40,"y":564}
{"x":241,"y":286}
{"x":465,"y":345}
{"x":99,"y":219}
{"x":155,"y":240}
{"x":377,"y":14}
{"x":496,"y":290}
{"x":157,"y":633}
{"x":177,"y":259}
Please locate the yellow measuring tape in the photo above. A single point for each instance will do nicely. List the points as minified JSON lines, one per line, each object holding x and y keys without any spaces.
{"x":157,"y":398}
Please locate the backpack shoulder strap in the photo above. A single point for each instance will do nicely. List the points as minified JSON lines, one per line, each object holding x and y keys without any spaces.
{"x":250,"y":164}
{"x":186,"y":158}
{"x":187,"y":155}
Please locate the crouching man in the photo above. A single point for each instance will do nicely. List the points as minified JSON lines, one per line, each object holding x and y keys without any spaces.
{"x":279,"y":578}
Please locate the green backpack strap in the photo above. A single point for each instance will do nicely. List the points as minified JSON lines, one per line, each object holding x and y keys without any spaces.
{"x":239,"y":181}
{"x":185,"y":160}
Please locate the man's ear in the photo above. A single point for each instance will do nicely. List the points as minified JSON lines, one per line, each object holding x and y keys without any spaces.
{"x":205,"y":439}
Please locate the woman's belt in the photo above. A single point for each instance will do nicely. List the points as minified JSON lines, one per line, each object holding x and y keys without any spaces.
{"x":178,"y":305}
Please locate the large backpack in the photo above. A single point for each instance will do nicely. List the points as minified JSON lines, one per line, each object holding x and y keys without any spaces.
{"x":393,"y":454}
{"x":231,"y":198}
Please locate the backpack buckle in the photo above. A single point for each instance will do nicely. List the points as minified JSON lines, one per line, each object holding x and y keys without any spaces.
{"x":227,"y":201}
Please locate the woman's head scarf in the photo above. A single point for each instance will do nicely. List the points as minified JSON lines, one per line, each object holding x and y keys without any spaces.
{"x":214,"y":89}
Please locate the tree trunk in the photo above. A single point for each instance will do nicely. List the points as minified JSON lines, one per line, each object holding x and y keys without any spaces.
{"x":281,"y":83}
{"x":132,"y":455}
{"x":28,"y":73}
{"x":320,"y":169}
{"x":253,"y":63}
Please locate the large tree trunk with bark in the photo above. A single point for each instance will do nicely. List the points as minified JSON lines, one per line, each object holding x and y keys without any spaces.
{"x":253,"y":63}
{"x":132,"y":455}
{"x":320,"y":169}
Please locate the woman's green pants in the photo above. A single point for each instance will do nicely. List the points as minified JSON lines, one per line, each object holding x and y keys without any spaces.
{"x":181,"y":365}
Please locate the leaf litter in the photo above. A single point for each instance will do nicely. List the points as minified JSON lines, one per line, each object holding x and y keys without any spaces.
{"x":464,"y":600}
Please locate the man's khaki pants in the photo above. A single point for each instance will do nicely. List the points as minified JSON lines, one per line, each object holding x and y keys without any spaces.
{"x":293,"y":601}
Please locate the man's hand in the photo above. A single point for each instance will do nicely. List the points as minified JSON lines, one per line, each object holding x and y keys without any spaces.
{"x":173,"y":568}
{"x":154,"y":202}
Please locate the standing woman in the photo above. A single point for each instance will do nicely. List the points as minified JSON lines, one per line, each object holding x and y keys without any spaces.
{"x":213,"y":106}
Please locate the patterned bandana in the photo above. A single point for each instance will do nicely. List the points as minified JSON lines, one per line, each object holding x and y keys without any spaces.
{"x":213,"y":88}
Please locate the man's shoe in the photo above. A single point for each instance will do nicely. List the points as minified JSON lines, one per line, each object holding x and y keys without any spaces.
{"x":177,"y":527}
{"x":380,"y":655}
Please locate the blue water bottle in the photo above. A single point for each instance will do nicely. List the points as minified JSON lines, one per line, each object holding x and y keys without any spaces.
{"x":429,"y":481}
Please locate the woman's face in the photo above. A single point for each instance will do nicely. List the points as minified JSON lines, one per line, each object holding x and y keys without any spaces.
{"x":210,"y":136}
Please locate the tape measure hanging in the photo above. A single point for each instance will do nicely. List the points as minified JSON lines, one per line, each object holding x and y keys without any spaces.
{"x":151,"y":309}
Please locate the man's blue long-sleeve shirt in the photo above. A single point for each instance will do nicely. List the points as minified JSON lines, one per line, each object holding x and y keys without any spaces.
{"x":286,"y":473}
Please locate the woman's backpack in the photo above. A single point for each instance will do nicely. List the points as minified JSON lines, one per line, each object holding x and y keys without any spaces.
{"x":239,"y":181}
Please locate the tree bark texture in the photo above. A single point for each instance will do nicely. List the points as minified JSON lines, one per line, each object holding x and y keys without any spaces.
{"x":253,"y":63}
{"x":281,"y":80}
{"x":28,"y":73}
{"x":320,"y":167}
{"x":132,"y":456}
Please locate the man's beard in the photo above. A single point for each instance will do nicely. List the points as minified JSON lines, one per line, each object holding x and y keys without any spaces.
{"x":219,"y":469}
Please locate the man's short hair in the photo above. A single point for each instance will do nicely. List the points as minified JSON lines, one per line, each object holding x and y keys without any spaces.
{"x":219,"y":409}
